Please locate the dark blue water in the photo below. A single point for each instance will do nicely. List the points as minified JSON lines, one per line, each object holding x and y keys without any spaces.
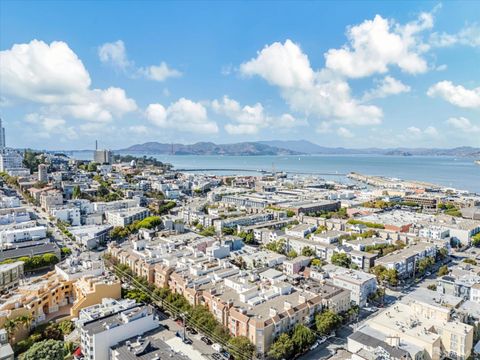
{"x":459,"y":173}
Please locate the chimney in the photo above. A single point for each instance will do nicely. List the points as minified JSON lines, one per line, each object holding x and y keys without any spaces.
{"x":287,"y":305}
{"x":273,"y":312}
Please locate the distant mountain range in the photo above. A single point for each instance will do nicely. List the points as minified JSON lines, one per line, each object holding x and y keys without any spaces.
{"x":289,"y":147}
{"x":209,"y":148}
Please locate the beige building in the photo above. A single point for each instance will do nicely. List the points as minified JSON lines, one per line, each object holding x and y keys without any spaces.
{"x":10,"y":275}
{"x":50,"y":199}
{"x":423,"y":325}
{"x":91,"y":290}
{"x":52,"y":296}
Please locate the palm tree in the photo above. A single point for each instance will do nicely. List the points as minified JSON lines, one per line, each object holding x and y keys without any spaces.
{"x":10,"y":327}
{"x":25,"y":320}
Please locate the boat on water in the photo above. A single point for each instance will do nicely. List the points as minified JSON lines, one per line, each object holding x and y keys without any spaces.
{"x":477,"y":162}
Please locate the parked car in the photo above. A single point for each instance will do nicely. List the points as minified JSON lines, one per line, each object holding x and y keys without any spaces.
{"x":314,"y":345}
{"x":187,"y":341}
{"x":192,"y":331}
{"x":322,"y":340}
{"x":206,"y":340}
{"x":226,"y":355}
{"x":217,"y":356}
{"x":217,"y":347}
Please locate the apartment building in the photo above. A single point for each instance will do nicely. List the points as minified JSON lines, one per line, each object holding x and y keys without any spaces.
{"x":99,"y":335}
{"x":404,"y":260}
{"x":50,"y":199}
{"x":242,"y":221}
{"x":423,"y":324}
{"x":360,"y":284}
{"x":90,"y":290}
{"x":13,"y":236}
{"x":124,"y":217}
{"x":67,"y":214}
{"x":305,"y":207}
{"x":10,"y":276}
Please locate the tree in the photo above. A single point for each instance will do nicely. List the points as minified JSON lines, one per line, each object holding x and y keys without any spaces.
{"x":432,"y":287}
{"x":10,"y":327}
{"x":208,"y":231}
{"x":443,"y":270}
{"x":77,"y":193}
{"x":282,"y":348}
{"x":308,"y":251}
{"x":316,"y":262}
{"x":228,"y":231}
{"x":292,"y":254}
{"x":46,"y":350}
{"x":92,"y":167}
{"x":241,"y":347}
{"x":327,"y":321}
{"x":25,"y":320}
{"x":302,"y":338}
{"x":341,"y":259}
{"x":443,"y":253}
{"x":476,"y":240}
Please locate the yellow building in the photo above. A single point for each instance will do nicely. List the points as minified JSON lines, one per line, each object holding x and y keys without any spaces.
{"x":90,"y":290}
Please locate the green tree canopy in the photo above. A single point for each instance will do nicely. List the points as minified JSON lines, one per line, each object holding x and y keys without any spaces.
{"x":240,"y":347}
{"x":327,"y":321}
{"x":341,"y":259}
{"x":282,"y":348}
{"x":302,"y":338}
{"x":46,"y":350}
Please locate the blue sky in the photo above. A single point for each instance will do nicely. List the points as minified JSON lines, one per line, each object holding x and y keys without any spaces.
{"x":337,"y":73}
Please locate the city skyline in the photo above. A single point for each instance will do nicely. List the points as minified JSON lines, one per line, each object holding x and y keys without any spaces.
{"x":356,"y":75}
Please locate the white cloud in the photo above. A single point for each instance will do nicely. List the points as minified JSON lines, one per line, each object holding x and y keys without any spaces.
{"x":183,"y":115}
{"x":463,"y":124}
{"x":456,"y":94}
{"x":376,"y":44}
{"x":43,"y":73}
{"x":45,"y":127}
{"x":114,"y":54}
{"x":139,"y":129}
{"x":345,"y":133}
{"x":241,"y":129}
{"x":283,"y":65}
{"x":428,"y":132}
{"x":53,"y":75}
{"x":468,"y":36}
{"x":318,"y":94}
{"x":249,"y":119}
{"x":385,"y":87}
{"x":159,"y":73}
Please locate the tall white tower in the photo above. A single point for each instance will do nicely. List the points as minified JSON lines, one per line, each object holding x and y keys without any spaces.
{"x":2,"y":135}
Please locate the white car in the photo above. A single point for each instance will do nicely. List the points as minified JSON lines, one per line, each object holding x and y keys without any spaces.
{"x":322,"y":340}
{"x":314,"y":346}
{"x":217,"y":347}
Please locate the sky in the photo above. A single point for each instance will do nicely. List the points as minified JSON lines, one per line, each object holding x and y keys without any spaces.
{"x":354,"y":74}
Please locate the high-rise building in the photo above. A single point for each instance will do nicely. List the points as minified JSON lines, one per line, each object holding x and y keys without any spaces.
{"x":102,"y":156}
{"x":43,"y":173}
{"x":2,"y":135}
{"x":10,"y":159}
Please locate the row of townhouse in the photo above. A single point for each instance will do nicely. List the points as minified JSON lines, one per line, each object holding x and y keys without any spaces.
{"x":260,"y":308}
